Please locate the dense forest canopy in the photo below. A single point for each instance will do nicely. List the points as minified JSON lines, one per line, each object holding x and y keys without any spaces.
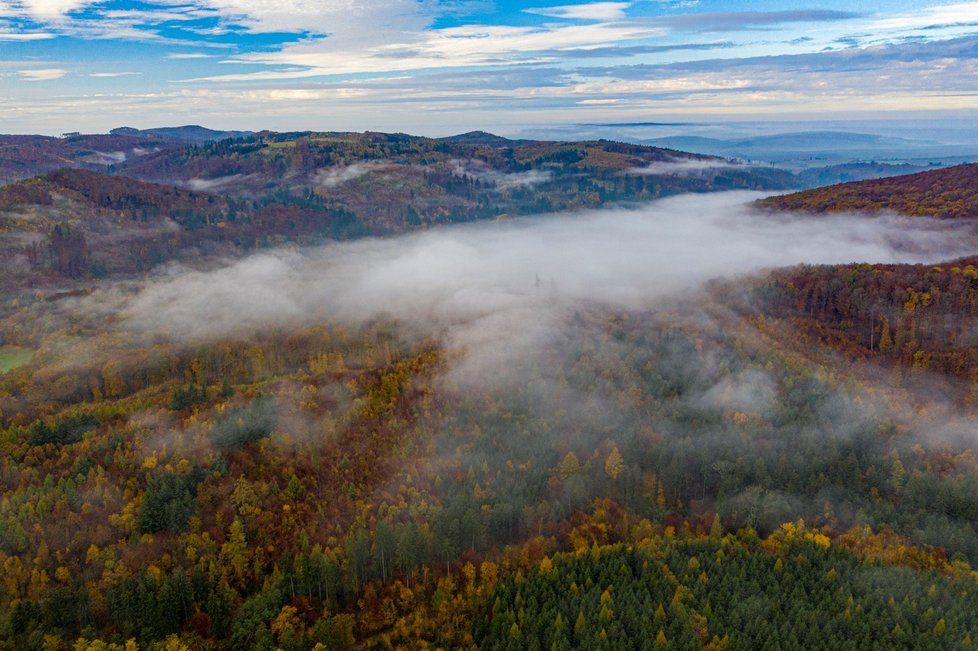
{"x":946,"y":193}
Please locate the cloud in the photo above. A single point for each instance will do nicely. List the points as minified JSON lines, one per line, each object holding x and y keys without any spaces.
{"x":26,"y":36}
{"x":42,"y":74}
{"x":740,"y":20}
{"x":167,"y":15}
{"x":863,"y":77}
{"x":189,"y":55}
{"x":598,"y":11}
{"x":479,"y":170}
{"x":42,"y":10}
{"x":220,"y":183}
{"x":106,"y":157}
{"x":451,"y":47}
{"x":333,"y":177}
{"x":339,"y":18}
{"x":936,"y":76}
{"x":505,"y":284}
{"x":619,"y":51}
{"x":964,"y":13}
{"x":682,"y":167}
{"x":113,"y":74}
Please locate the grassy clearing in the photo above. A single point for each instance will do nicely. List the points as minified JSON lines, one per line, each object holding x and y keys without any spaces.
{"x":12,"y":357}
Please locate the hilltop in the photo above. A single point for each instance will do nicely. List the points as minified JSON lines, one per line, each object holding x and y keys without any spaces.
{"x":913,"y":318}
{"x":946,"y":193}
{"x":190,"y":133}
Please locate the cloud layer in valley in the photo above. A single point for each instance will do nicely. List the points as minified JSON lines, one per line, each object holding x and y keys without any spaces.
{"x":530,"y":311}
{"x":501,"y":284}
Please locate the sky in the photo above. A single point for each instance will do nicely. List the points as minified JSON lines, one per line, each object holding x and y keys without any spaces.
{"x":436,"y":67}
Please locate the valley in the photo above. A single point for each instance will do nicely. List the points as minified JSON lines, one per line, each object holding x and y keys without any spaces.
{"x":600,"y":411}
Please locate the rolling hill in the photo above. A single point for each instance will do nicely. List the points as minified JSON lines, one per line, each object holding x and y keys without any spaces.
{"x":945,"y":193}
{"x":918,"y":320}
{"x":189,"y":133}
{"x":24,"y":156}
{"x":227,"y":197}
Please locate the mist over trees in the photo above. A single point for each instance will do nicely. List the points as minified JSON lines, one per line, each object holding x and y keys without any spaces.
{"x":688,"y":424}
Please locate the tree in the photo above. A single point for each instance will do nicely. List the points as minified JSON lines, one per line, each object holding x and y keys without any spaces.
{"x":886,"y":340}
{"x":568,"y":466}
{"x":614,"y":464}
{"x":716,"y":529}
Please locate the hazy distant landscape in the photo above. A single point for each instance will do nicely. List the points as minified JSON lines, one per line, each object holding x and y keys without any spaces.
{"x":488,"y":326}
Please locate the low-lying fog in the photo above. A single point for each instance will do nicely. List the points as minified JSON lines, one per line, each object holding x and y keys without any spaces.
{"x":506,"y":279}
{"x":502,"y":296}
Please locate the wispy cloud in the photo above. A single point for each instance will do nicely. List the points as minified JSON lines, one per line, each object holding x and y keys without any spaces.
{"x":454,"y":47}
{"x":44,"y":10}
{"x":740,"y":20}
{"x":333,"y":177}
{"x":189,"y":55}
{"x":220,"y":183}
{"x":25,"y":36}
{"x":681,"y":167}
{"x":480,"y":171}
{"x":113,"y":74}
{"x":960,"y":13}
{"x":594,"y":11}
{"x":42,"y":74}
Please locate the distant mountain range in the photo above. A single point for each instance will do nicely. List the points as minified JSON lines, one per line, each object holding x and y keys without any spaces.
{"x":803,"y":142}
{"x":798,"y":145}
{"x":804,"y":151}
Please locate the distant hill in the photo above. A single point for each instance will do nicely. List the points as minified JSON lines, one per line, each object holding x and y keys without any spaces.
{"x":814,"y":177}
{"x":481,"y":138}
{"x":191,"y":201}
{"x":24,"y":156}
{"x":395,"y":181}
{"x":802,"y":151}
{"x":73,"y":224}
{"x":188,"y":133}
{"x":947,"y":193}
{"x":781,"y":144}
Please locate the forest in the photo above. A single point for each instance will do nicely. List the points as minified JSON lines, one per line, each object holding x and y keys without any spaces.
{"x":325,"y":486}
{"x":950,"y":193}
{"x":778,"y":460}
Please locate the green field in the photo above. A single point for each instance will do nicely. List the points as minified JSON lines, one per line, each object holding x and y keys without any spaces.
{"x":12,"y":357}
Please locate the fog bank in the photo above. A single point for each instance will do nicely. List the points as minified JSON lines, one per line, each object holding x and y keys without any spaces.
{"x":512,"y":277}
